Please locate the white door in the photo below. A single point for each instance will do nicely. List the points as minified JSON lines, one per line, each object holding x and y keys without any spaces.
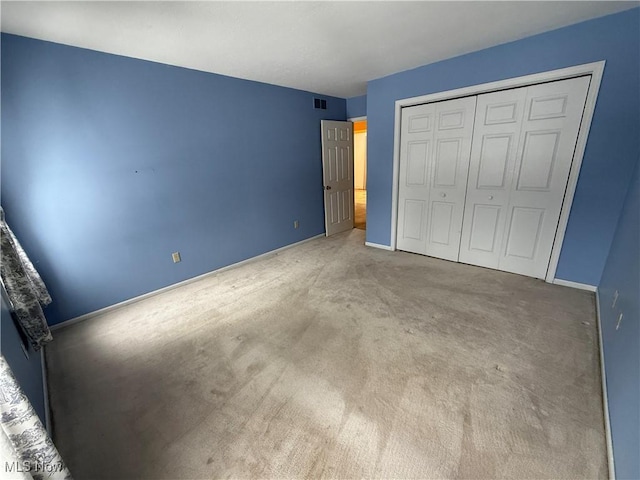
{"x":415,"y":162}
{"x":493,"y":156}
{"x":434,"y":161}
{"x":337,"y":172}
{"x":523,"y":147}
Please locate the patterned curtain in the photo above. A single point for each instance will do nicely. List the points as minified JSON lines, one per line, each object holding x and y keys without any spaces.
{"x":25,"y":289}
{"x":25,"y":447}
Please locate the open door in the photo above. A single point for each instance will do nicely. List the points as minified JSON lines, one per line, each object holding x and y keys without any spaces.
{"x":337,"y":174}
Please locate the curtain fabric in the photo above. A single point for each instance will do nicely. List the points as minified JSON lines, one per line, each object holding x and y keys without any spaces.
{"x":25,"y":289}
{"x":27,"y":450}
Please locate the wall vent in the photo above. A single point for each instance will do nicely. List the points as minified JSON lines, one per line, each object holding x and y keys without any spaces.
{"x":319,"y":103}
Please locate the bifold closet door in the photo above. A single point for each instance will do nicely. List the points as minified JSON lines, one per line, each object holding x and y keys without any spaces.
{"x":523,"y":145}
{"x":435,"y":143}
{"x":493,"y":157}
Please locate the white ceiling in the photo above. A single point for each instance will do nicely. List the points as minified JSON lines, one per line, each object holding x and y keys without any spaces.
{"x":328,"y":47}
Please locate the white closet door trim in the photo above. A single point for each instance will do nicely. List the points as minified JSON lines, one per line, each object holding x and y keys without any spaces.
{"x":594,"y":69}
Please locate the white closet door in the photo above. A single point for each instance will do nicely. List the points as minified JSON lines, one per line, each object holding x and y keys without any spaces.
{"x":449,"y":170}
{"x":547,"y":143}
{"x":417,"y":125}
{"x":524,"y":142}
{"x":493,"y":156}
{"x":434,"y":153}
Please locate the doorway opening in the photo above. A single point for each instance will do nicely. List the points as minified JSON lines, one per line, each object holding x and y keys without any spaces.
{"x":360,"y":173}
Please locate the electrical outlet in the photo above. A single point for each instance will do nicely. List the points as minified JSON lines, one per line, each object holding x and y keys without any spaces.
{"x":619,"y":320}
{"x":176,"y":257}
{"x":296,"y":224}
{"x":615,"y":299}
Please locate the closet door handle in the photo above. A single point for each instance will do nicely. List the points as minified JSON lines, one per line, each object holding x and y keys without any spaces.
{"x":490,"y":197}
{"x":443,"y":195}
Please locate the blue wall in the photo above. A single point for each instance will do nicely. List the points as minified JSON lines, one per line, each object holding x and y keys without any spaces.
{"x":109,"y":164}
{"x":357,"y":107}
{"x":28,"y":371}
{"x":622,"y":347}
{"x":613,"y":145}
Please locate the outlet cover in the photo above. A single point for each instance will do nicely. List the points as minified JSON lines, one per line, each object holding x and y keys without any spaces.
{"x":176,"y":257}
{"x":296,"y":224}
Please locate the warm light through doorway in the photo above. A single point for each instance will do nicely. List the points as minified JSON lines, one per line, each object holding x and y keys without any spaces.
{"x":360,"y":172}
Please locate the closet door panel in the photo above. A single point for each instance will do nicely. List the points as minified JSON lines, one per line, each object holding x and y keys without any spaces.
{"x":484,"y":234}
{"x":548,"y":137}
{"x":434,"y":160}
{"x":415,"y":165}
{"x":493,"y":157}
{"x":451,"y":149}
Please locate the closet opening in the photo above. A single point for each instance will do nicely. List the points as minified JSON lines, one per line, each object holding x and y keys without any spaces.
{"x":520,"y":144}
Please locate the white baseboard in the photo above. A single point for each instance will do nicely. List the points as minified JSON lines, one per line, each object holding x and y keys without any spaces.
{"x":605,"y":397}
{"x":45,"y":393}
{"x":579,"y":286}
{"x":95,"y":313}
{"x":378,"y":245}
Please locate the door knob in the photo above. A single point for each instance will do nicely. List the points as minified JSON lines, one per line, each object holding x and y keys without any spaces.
{"x":443,"y":195}
{"x":328,"y":187}
{"x":490,"y":197}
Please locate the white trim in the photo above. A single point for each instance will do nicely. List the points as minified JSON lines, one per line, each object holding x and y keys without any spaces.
{"x":378,"y":245}
{"x":579,"y":286}
{"x":594,"y":69}
{"x":356,"y":119}
{"x":45,"y":392}
{"x":95,"y":313}
{"x":396,"y":175}
{"x":572,"y":183}
{"x":605,"y":397}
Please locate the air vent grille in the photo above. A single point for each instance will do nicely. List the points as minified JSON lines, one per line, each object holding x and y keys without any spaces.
{"x":320,"y":103}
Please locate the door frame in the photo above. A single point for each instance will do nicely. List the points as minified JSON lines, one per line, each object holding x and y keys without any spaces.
{"x":594,"y":69}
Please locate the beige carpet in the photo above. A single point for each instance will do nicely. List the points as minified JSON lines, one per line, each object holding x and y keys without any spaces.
{"x":335,"y":360}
